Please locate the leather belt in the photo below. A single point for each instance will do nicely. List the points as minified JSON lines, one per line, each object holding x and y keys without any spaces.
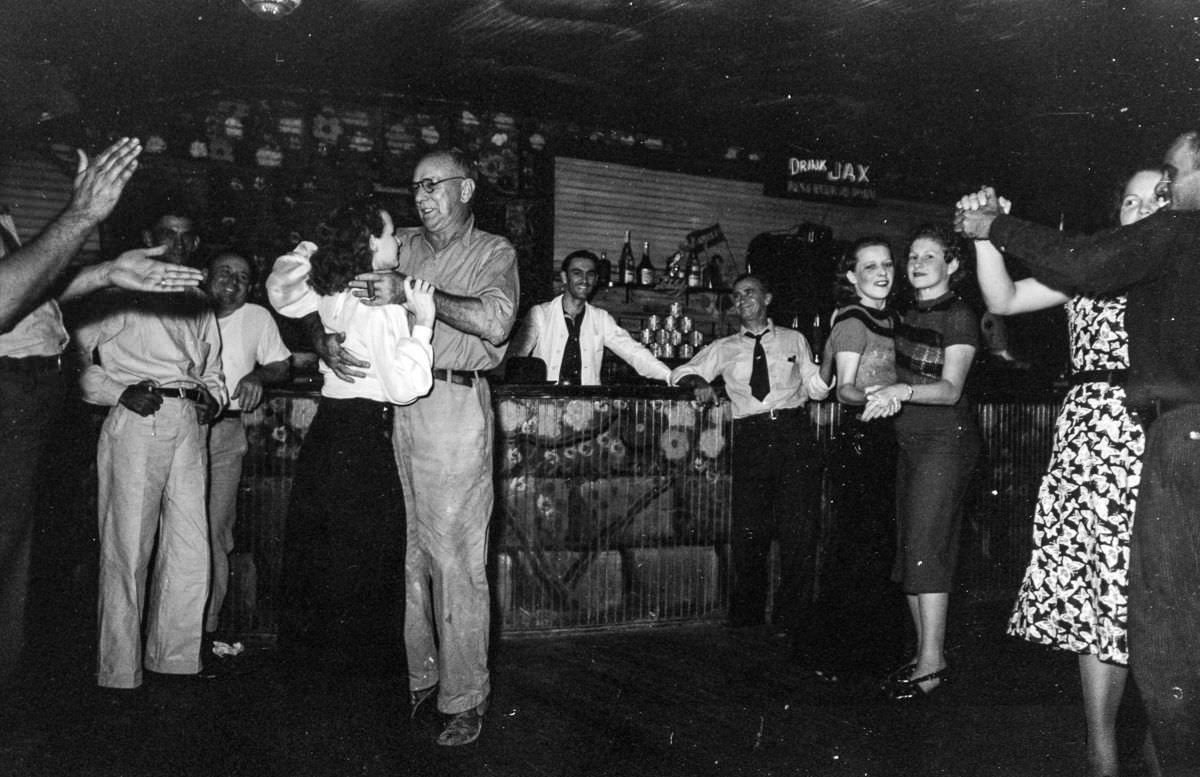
{"x":231,"y":414}
{"x":31,"y":365}
{"x":178,"y":392}
{"x":1147,"y":413}
{"x":461,"y":377}
{"x":1111,"y":377}
{"x":775,"y":414}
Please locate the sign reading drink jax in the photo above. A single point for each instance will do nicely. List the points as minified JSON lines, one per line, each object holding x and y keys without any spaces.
{"x":824,"y":178}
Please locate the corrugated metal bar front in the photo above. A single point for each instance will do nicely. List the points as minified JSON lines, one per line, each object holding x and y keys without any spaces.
{"x":997,"y":536}
{"x":614,"y":509}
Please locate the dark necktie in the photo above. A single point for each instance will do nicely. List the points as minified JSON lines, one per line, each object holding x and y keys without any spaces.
{"x":760,"y":382}
{"x":572,"y":360}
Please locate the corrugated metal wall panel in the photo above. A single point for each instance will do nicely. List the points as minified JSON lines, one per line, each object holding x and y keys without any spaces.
{"x":595,"y":202}
{"x":36,"y":188}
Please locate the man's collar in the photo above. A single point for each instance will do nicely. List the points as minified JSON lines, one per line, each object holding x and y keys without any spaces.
{"x":465,"y":233}
{"x":562,"y":306}
{"x":769,"y":327}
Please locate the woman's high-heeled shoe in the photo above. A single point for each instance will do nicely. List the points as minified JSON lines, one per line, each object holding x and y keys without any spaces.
{"x":900,"y":674}
{"x":907,"y":690}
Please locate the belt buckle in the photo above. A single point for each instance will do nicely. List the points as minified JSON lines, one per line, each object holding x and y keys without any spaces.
{"x":773,"y":413}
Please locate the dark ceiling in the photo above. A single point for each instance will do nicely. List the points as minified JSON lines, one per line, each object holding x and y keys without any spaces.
{"x":1050,"y":100}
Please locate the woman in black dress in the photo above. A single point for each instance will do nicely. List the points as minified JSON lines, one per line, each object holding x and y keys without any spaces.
{"x":939,"y":445}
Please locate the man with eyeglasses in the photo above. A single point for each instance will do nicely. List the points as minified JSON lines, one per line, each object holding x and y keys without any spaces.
{"x":444,"y":440}
{"x":1156,"y":262}
{"x":569,"y":334}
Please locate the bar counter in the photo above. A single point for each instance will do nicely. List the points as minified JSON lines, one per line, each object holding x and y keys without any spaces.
{"x":612,"y":504}
{"x":612,"y":507}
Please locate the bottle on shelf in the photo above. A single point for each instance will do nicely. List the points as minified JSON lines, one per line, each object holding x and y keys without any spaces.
{"x":645,"y":268}
{"x":604,"y":271}
{"x":695,"y":274}
{"x":628,"y":269}
{"x":675,"y":270}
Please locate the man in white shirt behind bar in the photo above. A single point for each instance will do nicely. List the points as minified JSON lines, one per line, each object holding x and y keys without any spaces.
{"x":570,"y":334}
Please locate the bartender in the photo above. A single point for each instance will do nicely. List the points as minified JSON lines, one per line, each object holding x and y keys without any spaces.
{"x":570,"y":334}
{"x":769,"y":375}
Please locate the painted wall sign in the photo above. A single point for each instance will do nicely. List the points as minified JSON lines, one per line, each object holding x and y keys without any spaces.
{"x":816,"y":177}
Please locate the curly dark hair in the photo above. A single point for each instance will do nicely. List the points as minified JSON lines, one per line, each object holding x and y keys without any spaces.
{"x":844,"y":291}
{"x":344,"y":246}
{"x":951,"y":243}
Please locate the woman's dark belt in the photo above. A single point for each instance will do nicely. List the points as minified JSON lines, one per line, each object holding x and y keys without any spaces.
{"x":1111,"y":377}
{"x":30,"y":365}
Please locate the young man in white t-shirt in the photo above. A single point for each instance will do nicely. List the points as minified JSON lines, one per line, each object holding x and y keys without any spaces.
{"x":252,"y":356}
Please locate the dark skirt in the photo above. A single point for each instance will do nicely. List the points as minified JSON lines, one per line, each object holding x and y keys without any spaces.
{"x":344,"y":539}
{"x":939,"y":448}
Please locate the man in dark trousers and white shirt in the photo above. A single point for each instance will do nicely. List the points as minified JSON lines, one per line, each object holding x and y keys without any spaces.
{"x":769,"y":375}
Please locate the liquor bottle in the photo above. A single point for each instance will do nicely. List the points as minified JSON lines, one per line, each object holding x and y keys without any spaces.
{"x":645,"y":268}
{"x":604,"y":271}
{"x":715,"y":281}
{"x":695,"y":275}
{"x":675,"y":270}
{"x":818,"y":338}
{"x":626,"y":265}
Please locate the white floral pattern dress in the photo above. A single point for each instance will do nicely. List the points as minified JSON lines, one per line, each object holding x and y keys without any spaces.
{"x":1074,"y":593}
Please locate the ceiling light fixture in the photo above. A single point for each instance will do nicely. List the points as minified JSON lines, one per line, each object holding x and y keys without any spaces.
{"x":272,"y":9}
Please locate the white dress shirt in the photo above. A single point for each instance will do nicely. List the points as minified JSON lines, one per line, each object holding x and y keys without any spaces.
{"x":401,"y":360}
{"x":545,"y":336}
{"x":795,"y":377}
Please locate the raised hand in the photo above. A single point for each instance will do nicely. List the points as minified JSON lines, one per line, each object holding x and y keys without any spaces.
{"x":99,"y":182}
{"x":419,"y":301}
{"x":138,"y":270}
{"x":976,"y":212}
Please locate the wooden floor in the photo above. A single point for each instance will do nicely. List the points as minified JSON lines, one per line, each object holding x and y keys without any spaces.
{"x":693,"y":700}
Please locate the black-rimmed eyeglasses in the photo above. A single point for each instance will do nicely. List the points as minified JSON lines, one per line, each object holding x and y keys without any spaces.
{"x":427,"y":185}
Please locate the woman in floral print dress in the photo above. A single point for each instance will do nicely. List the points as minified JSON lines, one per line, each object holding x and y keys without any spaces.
{"x":1073,"y":596}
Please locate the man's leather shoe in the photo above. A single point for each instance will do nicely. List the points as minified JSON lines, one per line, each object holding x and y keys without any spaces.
{"x":463,"y":729}
{"x":417,"y":698}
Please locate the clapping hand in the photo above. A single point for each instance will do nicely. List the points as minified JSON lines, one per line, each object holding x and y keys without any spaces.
{"x":100,"y":181}
{"x":139,"y":271}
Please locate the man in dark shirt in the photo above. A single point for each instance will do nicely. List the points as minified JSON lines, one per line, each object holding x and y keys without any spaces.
{"x":1157,"y":263}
